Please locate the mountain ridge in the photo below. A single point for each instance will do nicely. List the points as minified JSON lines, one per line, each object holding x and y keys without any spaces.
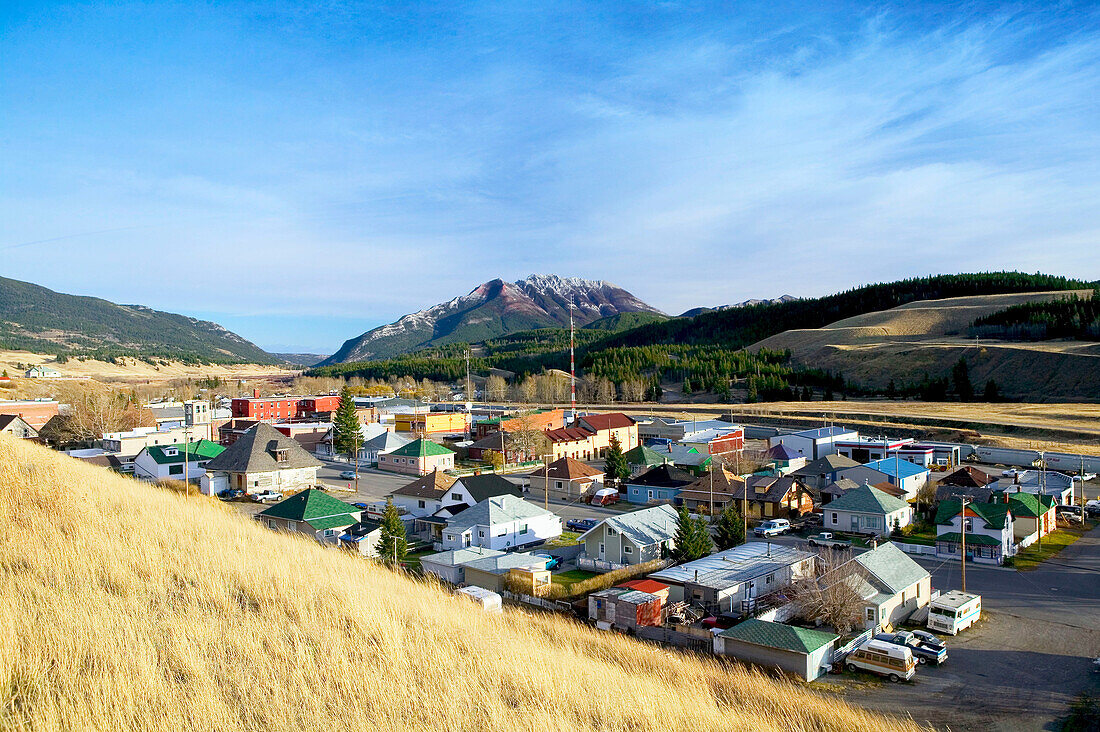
{"x":493,"y":309}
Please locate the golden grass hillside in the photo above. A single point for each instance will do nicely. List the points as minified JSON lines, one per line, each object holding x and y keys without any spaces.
{"x":123,"y":607}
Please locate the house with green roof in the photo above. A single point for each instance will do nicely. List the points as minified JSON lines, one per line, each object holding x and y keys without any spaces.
{"x":867,"y":510}
{"x":989,"y":527}
{"x":419,"y":457}
{"x":800,"y":651}
{"x":167,"y":462}
{"x":1033,"y":516}
{"x":314,"y":513}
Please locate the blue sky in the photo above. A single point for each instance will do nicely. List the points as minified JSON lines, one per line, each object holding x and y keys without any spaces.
{"x":303,"y":172}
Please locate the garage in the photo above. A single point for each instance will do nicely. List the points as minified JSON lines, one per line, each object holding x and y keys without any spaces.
{"x":800,"y":651}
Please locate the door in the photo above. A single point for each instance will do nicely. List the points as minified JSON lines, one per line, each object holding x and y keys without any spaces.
{"x":601,"y":550}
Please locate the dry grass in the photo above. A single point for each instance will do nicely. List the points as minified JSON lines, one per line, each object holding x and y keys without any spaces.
{"x":125,"y":607}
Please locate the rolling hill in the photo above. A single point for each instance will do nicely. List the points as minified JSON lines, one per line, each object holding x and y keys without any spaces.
{"x":493,"y":309}
{"x":127,"y":607}
{"x":36,"y":319}
{"x":928,"y":337}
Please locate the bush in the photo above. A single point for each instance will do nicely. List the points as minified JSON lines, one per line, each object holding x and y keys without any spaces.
{"x":603,"y":581}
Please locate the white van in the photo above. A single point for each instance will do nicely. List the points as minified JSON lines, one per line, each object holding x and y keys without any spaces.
{"x":885,"y":659}
{"x":954,"y":611}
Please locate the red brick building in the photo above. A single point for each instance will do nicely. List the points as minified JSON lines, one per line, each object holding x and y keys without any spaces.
{"x":283,"y":408}
{"x":35,"y":412}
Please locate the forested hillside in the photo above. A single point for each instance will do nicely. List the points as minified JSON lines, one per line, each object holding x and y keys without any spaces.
{"x":33,"y":318}
{"x":1069,"y":317}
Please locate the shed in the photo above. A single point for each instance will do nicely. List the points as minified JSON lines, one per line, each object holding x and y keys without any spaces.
{"x":799,"y":651}
{"x":624,"y":608}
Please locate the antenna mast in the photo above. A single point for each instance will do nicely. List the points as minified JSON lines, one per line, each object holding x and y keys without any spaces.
{"x":572,"y":368}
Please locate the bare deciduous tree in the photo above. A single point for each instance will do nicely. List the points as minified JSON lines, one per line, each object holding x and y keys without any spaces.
{"x":605,"y":391}
{"x":496,"y":388}
{"x":94,"y":411}
{"x":526,"y":440}
{"x":830,"y":594}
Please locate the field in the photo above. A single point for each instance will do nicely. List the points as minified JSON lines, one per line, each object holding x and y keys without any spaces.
{"x":927,"y":337}
{"x":123,"y":606}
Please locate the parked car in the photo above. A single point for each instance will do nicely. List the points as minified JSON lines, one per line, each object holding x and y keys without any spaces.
{"x":230,"y":493}
{"x":580,"y":525}
{"x":722,"y":621}
{"x":885,"y":659}
{"x":924,"y":651}
{"x":552,"y":562}
{"x":265,"y":496}
{"x":1092,"y":508}
{"x":347,"y":475}
{"x":1072,"y":513}
{"x":812,"y":519}
{"x":826,"y":538}
{"x":604,"y":497}
{"x":1010,"y":473}
{"x":774,"y":527}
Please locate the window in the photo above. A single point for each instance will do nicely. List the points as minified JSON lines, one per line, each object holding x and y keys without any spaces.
{"x":271,"y":524}
{"x":523,"y":529}
{"x":870,"y":615}
{"x":456,"y":496}
{"x":969,"y":525}
{"x":835,"y":518}
{"x":610,"y":531}
{"x":420,"y":504}
{"x":481,"y":534}
{"x":175,"y":469}
{"x":628,"y":550}
{"x":769,"y":579}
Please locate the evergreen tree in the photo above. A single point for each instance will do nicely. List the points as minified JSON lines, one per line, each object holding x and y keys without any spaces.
{"x":692,"y":538}
{"x":393,"y":544}
{"x":992,"y":392}
{"x":702,"y":543}
{"x":960,"y":374}
{"x":615,"y":465}
{"x":730,"y":529}
{"x":754,"y":393}
{"x":345,"y":425}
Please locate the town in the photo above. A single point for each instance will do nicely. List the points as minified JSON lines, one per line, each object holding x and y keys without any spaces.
{"x":822,"y":553}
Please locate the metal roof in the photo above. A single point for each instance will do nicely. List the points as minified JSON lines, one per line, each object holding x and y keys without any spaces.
{"x":731,"y":567}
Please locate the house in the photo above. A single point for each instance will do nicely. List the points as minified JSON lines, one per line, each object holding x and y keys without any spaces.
{"x":771,"y":496}
{"x":382,"y":443}
{"x":1046,"y":482}
{"x":867,"y":510}
{"x":13,"y":424}
{"x":686,"y":457}
{"x":35,"y":412}
{"x":311,"y":512}
{"x":42,"y":372}
{"x":990,"y":535}
{"x":823,"y":471}
{"x":606,"y":426}
{"x":134,"y":441}
{"x":734,"y":579}
{"x":574,"y":442}
{"x":1033,"y":517}
{"x":630,"y":538}
{"x":166,"y":462}
{"x":540,"y":419}
{"x":656,"y":485}
{"x":967,"y":480}
{"x":867,"y":449}
{"x":907,"y":476}
{"x":642,"y":458}
{"x":714,"y":491}
{"x":501,"y":522}
{"x":800,"y":651}
{"x":426,"y":495}
{"x":419,"y":457}
{"x":432,"y":500}
{"x":567,"y":478}
{"x":492,"y":572}
{"x":450,"y":566}
{"x":784,"y":460}
{"x":625,"y":608}
{"x":310,"y":435}
{"x":363,"y":538}
{"x":891,"y":584}
{"x":815,"y":443}
{"x":721,"y":441}
{"x":261,"y":459}
{"x":367,"y":432}
{"x":835,"y":490}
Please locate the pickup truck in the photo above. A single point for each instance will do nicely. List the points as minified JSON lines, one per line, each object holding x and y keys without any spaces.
{"x":925,"y":648}
{"x":774,"y":527}
{"x":826,"y":538}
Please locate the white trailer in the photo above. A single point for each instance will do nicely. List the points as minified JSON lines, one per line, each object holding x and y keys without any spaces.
{"x":954,"y":611}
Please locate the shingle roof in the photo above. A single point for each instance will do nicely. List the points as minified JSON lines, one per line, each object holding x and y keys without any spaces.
{"x":993,"y":514}
{"x":867,"y":499}
{"x":967,"y":476}
{"x":824,"y":465}
{"x":309,"y":505}
{"x":489,"y":485}
{"x":254,"y":452}
{"x":781,"y":452}
{"x":893,"y":567}
{"x":724,"y":482}
{"x":567,"y":468}
{"x":663,"y":476}
{"x":1029,"y":504}
{"x":496,"y":510}
{"x":196,"y":451}
{"x":434,"y":485}
{"x":421,"y":448}
{"x":778,"y":635}
{"x":503,"y":562}
{"x":455,"y":557}
{"x":612,"y":421}
{"x":494,"y":441}
{"x":568,"y":434}
{"x":331,"y":522}
{"x":775,"y":488}
{"x":642,"y":455}
{"x":385,"y":442}
{"x":645,"y":527}
{"x":954,"y":537}
{"x":981,"y":494}
{"x":839,"y":487}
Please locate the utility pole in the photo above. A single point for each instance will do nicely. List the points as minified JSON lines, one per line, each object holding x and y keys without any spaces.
{"x":572,"y":370}
{"x":546,"y":481}
{"x":965,"y":501}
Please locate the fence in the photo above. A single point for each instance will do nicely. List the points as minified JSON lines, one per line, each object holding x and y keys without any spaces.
{"x":598,"y":565}
{"x":695,"y":641}
{"x":552,"y":605}
{"x":842,"y":651}
{"x":914,"y":548}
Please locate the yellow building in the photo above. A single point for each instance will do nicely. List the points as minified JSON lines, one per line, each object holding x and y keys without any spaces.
{"x":431,"y":423}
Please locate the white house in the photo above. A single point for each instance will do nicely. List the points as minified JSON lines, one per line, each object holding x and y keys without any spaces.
{"x":891,"y":584}
{"x":165,"y":462}
{"x":449,"y":566}
{"x":426,"y":495}
{"x":816,"y":443}
{"x":908,"y":477}
{"x":261,"y":459}
{"x":990,"y":533}
{"x":630,"y":538}
{"x":502,"y":522}
{"x":867,"y":510}
{"x":42,"y":372}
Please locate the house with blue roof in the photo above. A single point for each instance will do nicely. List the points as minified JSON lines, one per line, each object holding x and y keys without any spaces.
{"x":907,"y":477}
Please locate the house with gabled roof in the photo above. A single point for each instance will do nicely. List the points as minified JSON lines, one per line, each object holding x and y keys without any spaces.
{"x":503,"y":522}
{"x":567,"y":478}
{"x":660,"y":484}
{"x":907,"y":476}
{"x":419,"y":457}
{"x":772,"y":496}
{"x":166,"y":462}
{"x":891,"y":584}
{"x":362,"y":537}
{"x":605,"y":426}
{"x":823,"y":471}
{"x":867,"y":510}
{"x":784,"y":460}
{"x":642,"y":458}
{"x":16,"y":426}
{"x":311,"y":512}
{"x":631,"y":538}
{"x":990,"y":535}
{"x":1033,"y":516}
{"x":450,"y":565}
{"x":716,"y":490}
{"x":262,"y":459}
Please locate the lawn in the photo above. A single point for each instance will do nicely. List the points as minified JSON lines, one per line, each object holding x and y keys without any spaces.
{"x":411,"y":562}
{"x":567,"y":538}
{"x":570,"y":576}
{"x":1052,"y":543}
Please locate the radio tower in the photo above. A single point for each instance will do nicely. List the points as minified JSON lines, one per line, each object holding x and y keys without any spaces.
{"x":572,"y":368}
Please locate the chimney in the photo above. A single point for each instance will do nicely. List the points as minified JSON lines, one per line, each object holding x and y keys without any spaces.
{"x":255,"y":393}
{"x":874,"y":542}
{"x":769,"y":548}
{"x":696,"y":575}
